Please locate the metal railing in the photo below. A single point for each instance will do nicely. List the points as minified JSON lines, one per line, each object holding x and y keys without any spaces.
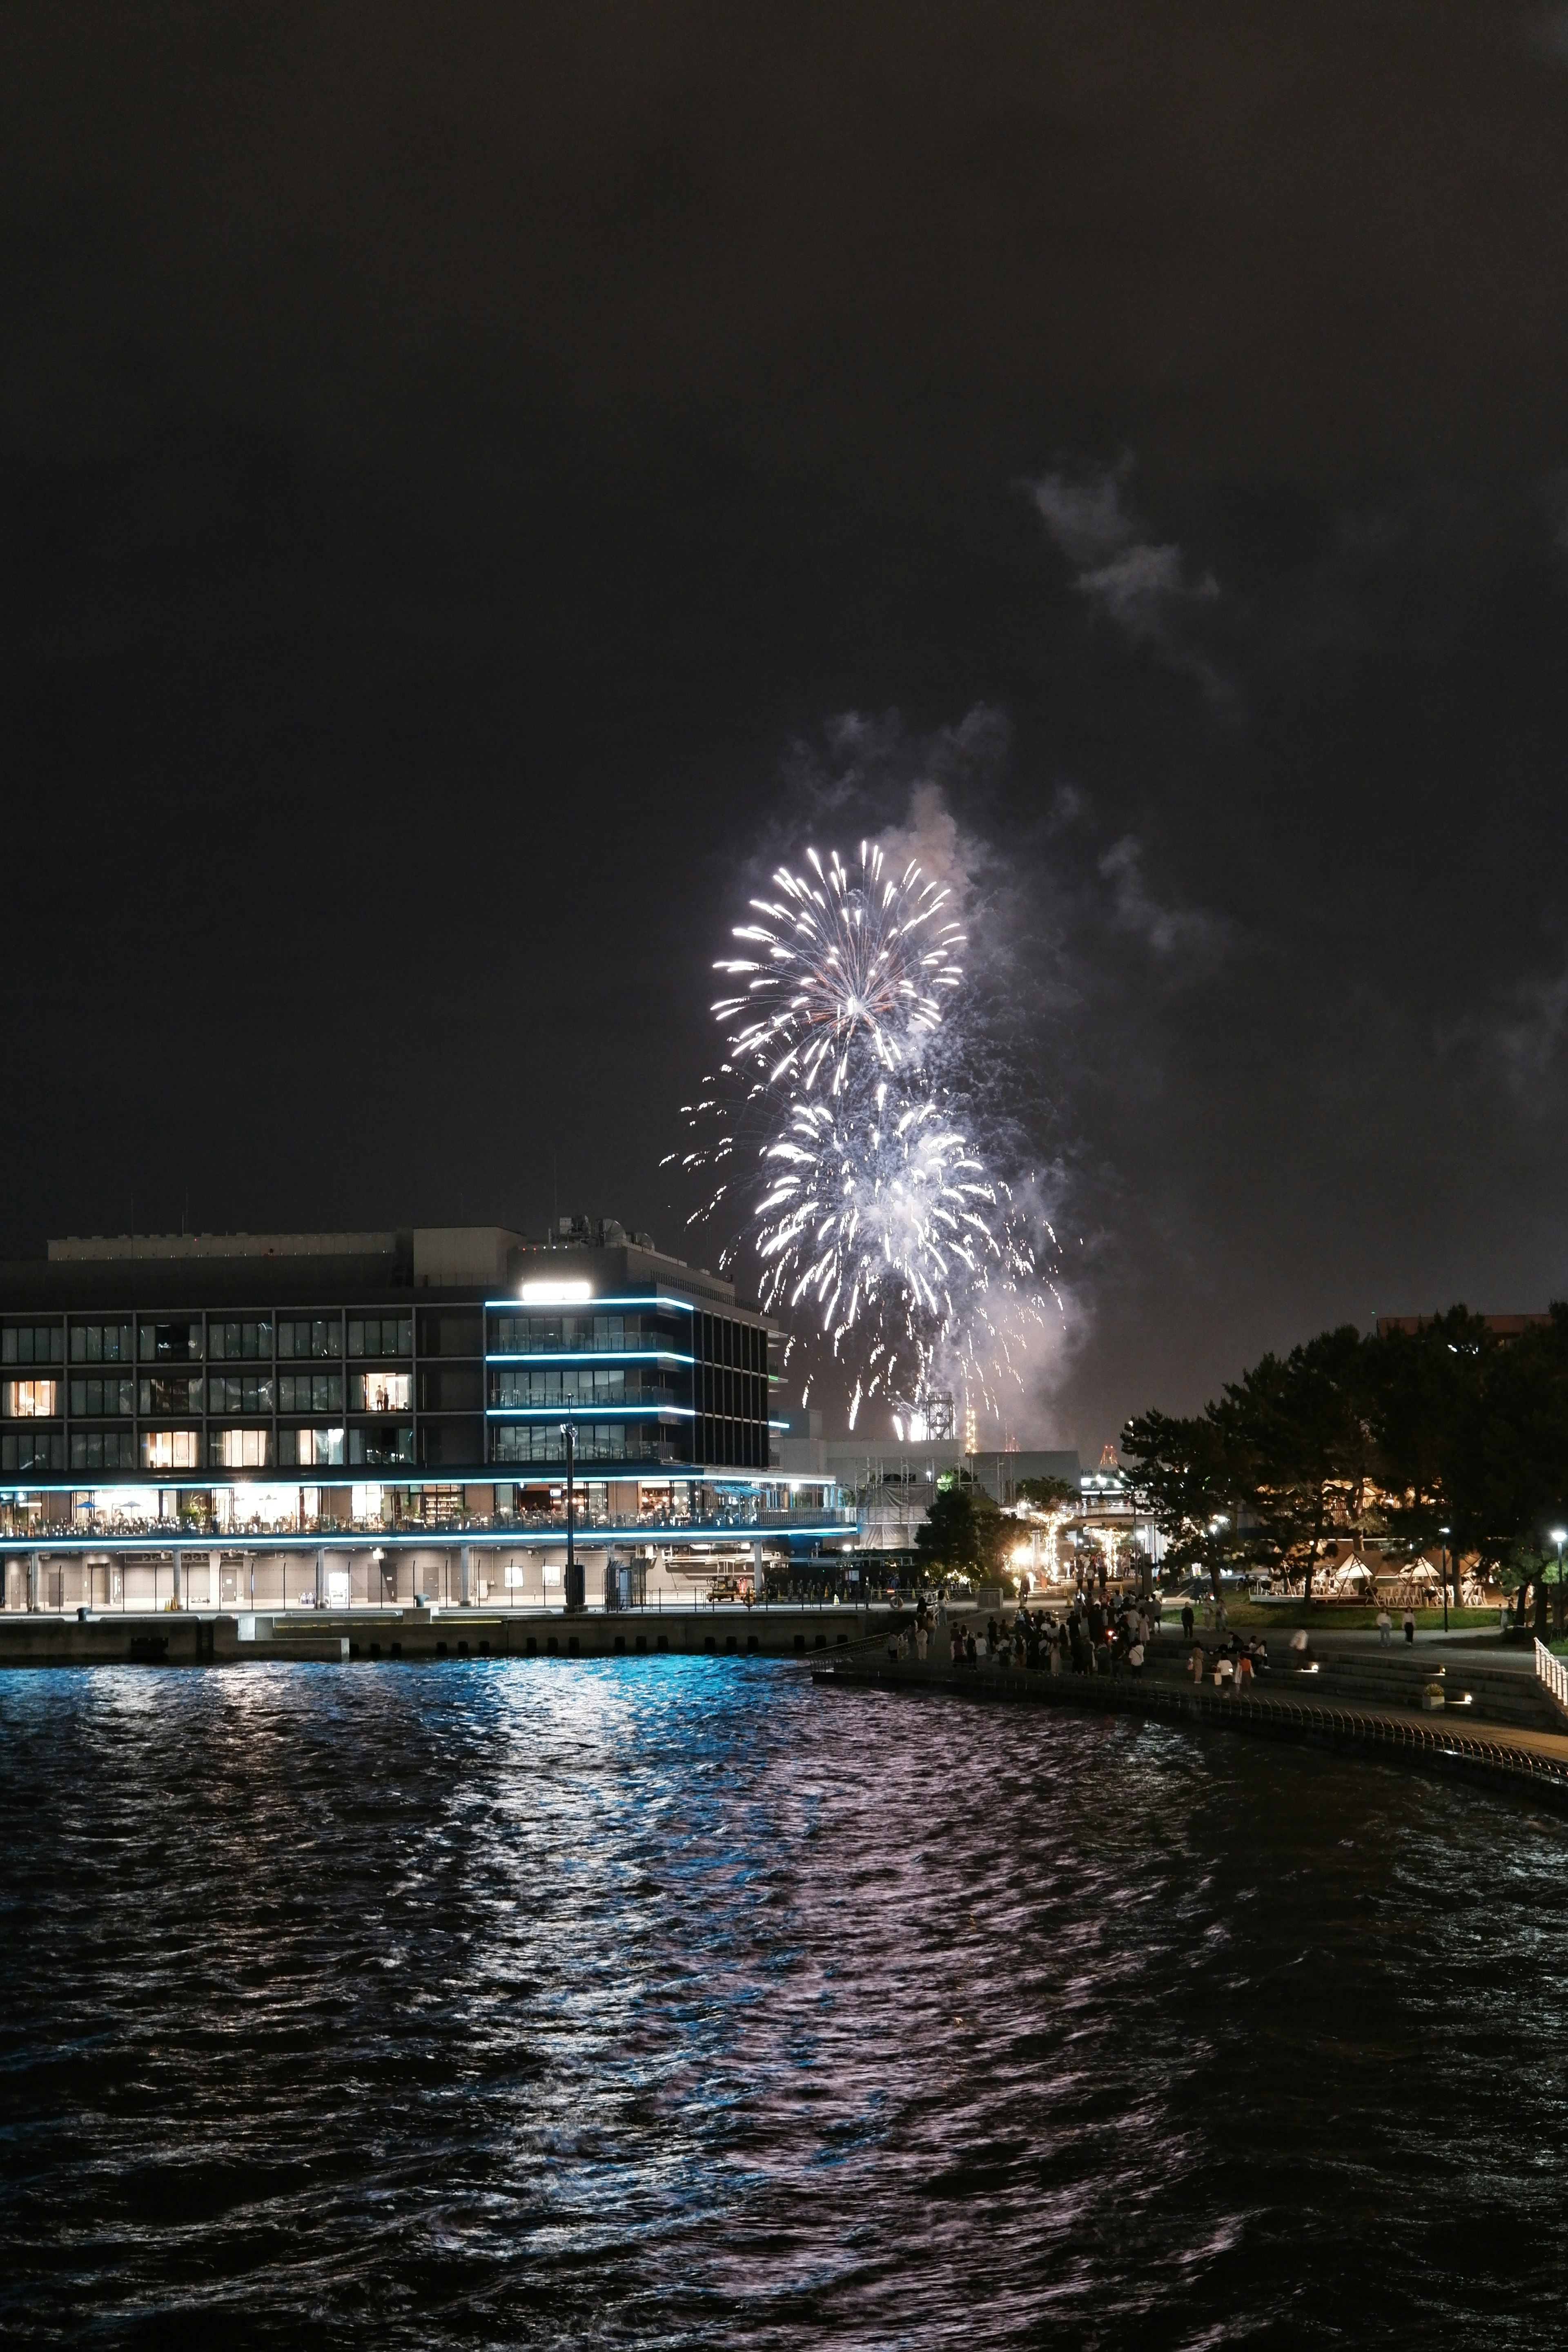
{"x":1552,"y":1673}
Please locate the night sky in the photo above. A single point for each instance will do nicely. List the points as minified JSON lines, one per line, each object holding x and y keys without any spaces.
{"x":477,"y":485}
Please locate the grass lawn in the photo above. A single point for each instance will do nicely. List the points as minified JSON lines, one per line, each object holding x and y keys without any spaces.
{"x":1329,"y":1617}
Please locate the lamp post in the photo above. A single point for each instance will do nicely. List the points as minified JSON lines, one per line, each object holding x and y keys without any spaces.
{"x":1559,"y":1536}
{"x":573,"y":1573}
{"x":1445,"y":1533}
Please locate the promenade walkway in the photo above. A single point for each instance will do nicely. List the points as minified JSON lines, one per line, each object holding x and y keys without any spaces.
{"x":1528,"y":1757}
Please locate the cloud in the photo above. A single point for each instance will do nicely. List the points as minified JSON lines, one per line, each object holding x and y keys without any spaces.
{"x":1174,"y":933}
{"x":1141,"y":586}
{"x":1526,"y":1044}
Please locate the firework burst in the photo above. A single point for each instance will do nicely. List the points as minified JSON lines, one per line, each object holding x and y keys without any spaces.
{"x":867,"y":1201}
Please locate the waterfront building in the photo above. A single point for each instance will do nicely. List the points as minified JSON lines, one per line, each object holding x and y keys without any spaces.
{"x":243,"y":1392}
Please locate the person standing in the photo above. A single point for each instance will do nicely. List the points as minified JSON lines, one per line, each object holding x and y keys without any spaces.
{"x":1410,"y":1628}
{"x":1186,"y":1620}
{"x":1385,"y":1626}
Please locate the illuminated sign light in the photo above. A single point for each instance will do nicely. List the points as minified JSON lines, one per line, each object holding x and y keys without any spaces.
{"x":555,"y":1294}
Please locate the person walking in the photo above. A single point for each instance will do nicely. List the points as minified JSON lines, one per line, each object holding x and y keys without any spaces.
{"x":1385,"y":1626}
{"x":1186,"y":1620}
{"x":1410,"y":1628}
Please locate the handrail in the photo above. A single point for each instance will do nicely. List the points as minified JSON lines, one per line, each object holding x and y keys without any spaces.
{"x":1552,"y":1672}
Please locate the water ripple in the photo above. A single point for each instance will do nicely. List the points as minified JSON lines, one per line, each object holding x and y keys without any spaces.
{"x":680,"y":2002}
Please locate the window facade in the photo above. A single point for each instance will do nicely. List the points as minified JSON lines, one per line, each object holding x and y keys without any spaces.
{"x":619,"y":1334}
{"x":30,"y":1400}
{"x":542,"y":1443}
{"x":385,"y":1335}
{"x":235,"y":1343}
{"x":33,"y":1452}
{"x":380,"y":1391}
{"x":96,"y":1399}
{"x":321,"y":1336}
{"x":32,"y":1343}
{"x":100,"y":1343}
{"x":239,"y":1392}
{"x":103,"y":1449}
{"x":171,"y":1449}
{"x":393,"y":1443}
{"x":310,"y":1449}
{"x":309,"y":1392}
{"x":161,"y":1395}
{"x":242,"y":1449}
{"x":169,"y":1343}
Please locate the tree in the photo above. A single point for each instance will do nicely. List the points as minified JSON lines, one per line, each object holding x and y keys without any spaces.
{"x":1184,"y":1474}
{"x":1301,"y":1441}
{"x":1048,"y":1494}
{"x":962,"y":1531}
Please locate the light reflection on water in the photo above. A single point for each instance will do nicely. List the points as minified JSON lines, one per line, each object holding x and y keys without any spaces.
{"x":678,"y":2002}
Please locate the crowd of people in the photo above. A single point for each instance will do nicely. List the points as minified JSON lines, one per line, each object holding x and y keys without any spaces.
{"x":1102,"y":1633}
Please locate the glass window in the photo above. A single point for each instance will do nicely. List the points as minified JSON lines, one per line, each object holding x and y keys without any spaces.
{"x":229,"y":1342}
{"x":32,"y":1343}
{"x":170,"y":1395}
{"x":103,"y":1449}
{"x":387,"y":1444}
{"x":89,"y":1400}
{"x":33,"y":1452}
{"x":239,"y":1393}
{"x":171,"y":1449}
{"x":100,"y":1343}
{"x":321,"y":1336}
{"x":309,"y":1392}
{"x":169,"y":1343}
{"x":243,"y":1449}
{"x":30,"y":1400}
{"x":385,"y":1335}
{"x":380,"y":1391}
{"x":310,"y":1448}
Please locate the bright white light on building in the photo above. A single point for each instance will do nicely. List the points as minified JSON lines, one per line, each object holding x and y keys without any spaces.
{"x":555,"y":1294}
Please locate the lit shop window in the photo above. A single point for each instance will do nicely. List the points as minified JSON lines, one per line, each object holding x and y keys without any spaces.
{"x":94,"y":1400}
{"x":100,"y":1343}
{"x":30,"y":1400}
{"x":169,"y":1343}
{"x":171,"y":1396}
{"x":239,"y":1393}
{"x":322,"y":1336}
{"x":309,"y":1392}
{"x":379,"y":1392}
{"x":171,"y":1449}
{"x":103,"y":1449}
{"x":391,"y":1335}
{"x":228,"y":1342}
{"x":306,"y":1449}
{"x":32,"y":1343}
{"x":244,"y":1449}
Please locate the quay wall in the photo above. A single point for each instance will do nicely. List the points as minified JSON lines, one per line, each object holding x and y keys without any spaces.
{"x":1526,"y":1763}
{"x":193,"y":1638}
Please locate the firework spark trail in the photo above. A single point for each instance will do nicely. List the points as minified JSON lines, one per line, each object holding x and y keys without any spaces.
{"x":870,"y":1204}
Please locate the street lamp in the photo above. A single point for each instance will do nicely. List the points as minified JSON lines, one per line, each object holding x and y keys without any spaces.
{"x":1559,"y":1536}
{"x":1445,"y":1533}
{"x":573,"y":1573}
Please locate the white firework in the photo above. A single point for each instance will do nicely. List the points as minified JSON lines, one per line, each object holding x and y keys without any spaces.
{"x":870,"y":1206}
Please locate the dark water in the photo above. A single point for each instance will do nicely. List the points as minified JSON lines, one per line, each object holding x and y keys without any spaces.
{"x":680,"y":2002}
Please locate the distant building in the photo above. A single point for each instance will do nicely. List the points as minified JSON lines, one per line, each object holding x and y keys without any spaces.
{"x":1502,"y":1326}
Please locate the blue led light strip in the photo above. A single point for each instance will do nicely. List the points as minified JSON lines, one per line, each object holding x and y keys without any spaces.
{"x":594,"y":1356}
{"x":576,"y":1409}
